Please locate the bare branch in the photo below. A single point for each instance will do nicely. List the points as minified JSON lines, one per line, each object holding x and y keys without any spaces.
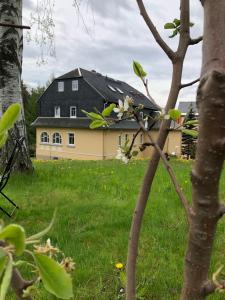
{"x":170,"y":171}
{"x":133,"y":140}
{"x":14,"y":26}
{"x":19,"y":285}
{"x":169,"y":52}
{"x":189,"y":83}
{"x":195,"y":41}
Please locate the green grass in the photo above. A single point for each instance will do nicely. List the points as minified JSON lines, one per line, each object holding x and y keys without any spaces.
{"x":95,"y":202}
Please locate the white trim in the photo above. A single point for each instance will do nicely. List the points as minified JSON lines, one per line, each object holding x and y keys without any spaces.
{"x":60,"y":86}
{"x":68,"y":139}
{"x":71,"y":107}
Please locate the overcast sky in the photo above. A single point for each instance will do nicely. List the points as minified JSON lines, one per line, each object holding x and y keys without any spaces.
{"x":113,"y":36}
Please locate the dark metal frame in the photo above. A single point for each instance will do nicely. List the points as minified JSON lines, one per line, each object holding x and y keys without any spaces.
{"x":6,"y":175}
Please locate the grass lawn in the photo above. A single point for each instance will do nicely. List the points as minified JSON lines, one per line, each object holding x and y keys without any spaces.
{"x":95,"y":201}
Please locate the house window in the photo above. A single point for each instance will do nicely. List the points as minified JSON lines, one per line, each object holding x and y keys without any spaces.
{"x":61,"y":86}
{"x":111,"y":88}
{"x":105,"y":105}
{"x":119,"y":90}
{"x":57,"y":139}
{"x":141,"y":115}
{"x":57,"y":111}
{"x":44,"y":137}
{"x":141,"y":139}
{"x":73,"y":111}
{"x":120,"y":141}
{"x":74,"y":85}
{"x":71,"y":139}
{"x":126,"y":137}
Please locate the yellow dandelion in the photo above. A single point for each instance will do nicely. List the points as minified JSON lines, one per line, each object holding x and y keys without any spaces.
{"x":119,"y":266}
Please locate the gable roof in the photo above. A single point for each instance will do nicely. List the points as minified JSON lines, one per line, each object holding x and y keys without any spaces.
{"x":110,"y":89}
{"x":185,"y":106}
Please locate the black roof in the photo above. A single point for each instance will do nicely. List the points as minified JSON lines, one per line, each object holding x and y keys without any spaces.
{"x":79,"y":123}
{"x":185,"y":106}
{"x":110,"y":89}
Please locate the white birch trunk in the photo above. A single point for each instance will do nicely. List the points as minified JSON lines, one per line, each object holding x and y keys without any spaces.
{"x":11,"y":47}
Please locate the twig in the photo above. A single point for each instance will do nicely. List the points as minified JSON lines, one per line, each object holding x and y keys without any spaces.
{"x":145,"y":83}
{"x":189,"y":83}
{"x":170,"y":171}
{"x":195,"y":41}
{"x":169,"y":52}
{"x":19,"y":285}
{"x":14,"y":26}
{"x":133,"y":140}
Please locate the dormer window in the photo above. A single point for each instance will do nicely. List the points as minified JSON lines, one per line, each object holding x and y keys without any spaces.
{"x":61,"y":86}
{"x":73,"y":111}
{"x":111,"y":88}
{"x":57,"y":111}
{"x":74,"y":85}
{"x":119,"y":90}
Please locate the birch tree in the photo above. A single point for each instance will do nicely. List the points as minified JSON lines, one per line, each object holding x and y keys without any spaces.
{"x":11,"y":47}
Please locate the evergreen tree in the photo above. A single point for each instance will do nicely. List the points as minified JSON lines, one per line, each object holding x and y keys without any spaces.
{"x":189,"y":142}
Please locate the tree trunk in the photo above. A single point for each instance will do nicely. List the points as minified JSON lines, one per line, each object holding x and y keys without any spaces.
{"x":11,"y":46}
{"x":210,"y":153}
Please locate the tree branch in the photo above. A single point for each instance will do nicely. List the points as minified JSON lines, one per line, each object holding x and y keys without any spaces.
{"x":19,"y":285}
{"x":170,"y":171}
{"x":195,"y":41}
{"x":14,"y":26}
{"x":169,"y":52}
{"x":189,"y":83}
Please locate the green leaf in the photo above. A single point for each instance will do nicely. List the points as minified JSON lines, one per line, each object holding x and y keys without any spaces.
{"x":55,"y":279}
{"x":176,"y":22}
{"x":175,"y":32}
{"x":3,"y":259}
{"x":10,"y":117}
{"x":191,"y":24}
{"x":190,"y":132}
{"x":6,"y":279}
{"x":174,"y":114}
{"x":40,"y":234}
{"x":92,"y":115}
{"x":138,"y":70}
{"x":191,"y":122}
{"x":97,"y":123}
{"x":107,"y":111}
{"x":3,"y":138}
{"x":14,"y":234}
{"x":169,"y":26}
{"x":123,"y":279}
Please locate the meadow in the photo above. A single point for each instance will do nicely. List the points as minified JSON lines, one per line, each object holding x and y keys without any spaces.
{"x":95,"y":202}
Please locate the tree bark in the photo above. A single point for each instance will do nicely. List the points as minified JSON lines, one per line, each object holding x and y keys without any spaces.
{"x":210,"y":153}
{"x":11,"y":46}
{"x":177,"y":59}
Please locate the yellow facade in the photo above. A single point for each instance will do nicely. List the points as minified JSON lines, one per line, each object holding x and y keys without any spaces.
{"x":97,"y":144}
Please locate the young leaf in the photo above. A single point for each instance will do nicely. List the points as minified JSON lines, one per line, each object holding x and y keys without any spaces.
{"x":14,"y":234}
{"x":176,"y":22}
{"x":174,"y":114}
{"x":97,"y":123}
{"x":107,"y":111}
{"x":169,"y":26}
{"x":191,"y":24}
{"x":6,"y":279}
{"x":138,"y":70}
{"x":40,"y":234}
{"x":190,"y":132}
{"x":55,"y":279}
{"x":92,"y":115}
{"x":191,"y":122}
{"x":10,"y":117}
{"x":3,"y":138}
{"x":175,"y":32}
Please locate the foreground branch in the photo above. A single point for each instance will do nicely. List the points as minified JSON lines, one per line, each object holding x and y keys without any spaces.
{"x":169,"y":52}
{"x":195,"y":41}
{"x":14,"y":26}
{"x":189,"y":83}
{"x":19,"y":285}
{"x":169,"y":169}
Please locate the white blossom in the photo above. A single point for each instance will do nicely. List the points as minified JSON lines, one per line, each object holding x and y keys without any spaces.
{"x":121,"y":156}
{"x":123,"y":107}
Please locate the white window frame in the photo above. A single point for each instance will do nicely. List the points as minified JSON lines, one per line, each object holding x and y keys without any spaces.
{"x":111,"y":88}
{"x":55,"y":136}
{"x":57,"y":111}
{"x":119,"y":90}
{"x":142,"y":114}
{"x":44,"y":137}
{"x":69,"y":144}
{"x":71,"y":108}
{"x":60,"y":86}
{"x":75,"y":85}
